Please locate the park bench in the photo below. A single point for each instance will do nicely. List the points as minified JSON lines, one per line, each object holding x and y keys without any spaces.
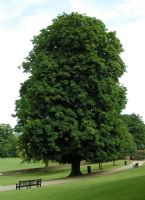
{"x":28,"y":183}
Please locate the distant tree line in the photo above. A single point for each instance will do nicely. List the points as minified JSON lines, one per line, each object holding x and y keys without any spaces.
{"x":136,"y":128}
{"x":8,"y":141}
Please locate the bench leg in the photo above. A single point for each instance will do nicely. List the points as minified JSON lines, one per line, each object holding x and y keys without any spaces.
{"x":17,"y":187}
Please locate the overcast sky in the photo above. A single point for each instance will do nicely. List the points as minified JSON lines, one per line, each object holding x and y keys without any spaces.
{"x":22,"y":19}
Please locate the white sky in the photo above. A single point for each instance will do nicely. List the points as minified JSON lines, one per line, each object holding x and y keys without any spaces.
{"x":22,"y":19}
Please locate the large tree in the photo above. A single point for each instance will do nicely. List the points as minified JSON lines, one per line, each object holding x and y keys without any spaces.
{"x":71,"y":101}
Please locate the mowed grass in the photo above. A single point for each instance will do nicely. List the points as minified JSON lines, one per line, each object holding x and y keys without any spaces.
{"x":55,"y":171}
{"x":127,"y":185}
{"x":15,"y":166}
{"x":10,"y":164}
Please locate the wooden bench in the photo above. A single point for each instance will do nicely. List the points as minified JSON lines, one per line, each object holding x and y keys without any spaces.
{"x":28,"y":183}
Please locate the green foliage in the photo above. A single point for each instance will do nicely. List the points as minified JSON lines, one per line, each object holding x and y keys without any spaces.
{"x":136,"y":128}
{"x":8,"y":141}
{"x":70,"y":104}
{"x":121,"y":143}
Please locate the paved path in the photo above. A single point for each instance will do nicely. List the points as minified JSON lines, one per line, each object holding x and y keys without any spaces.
{"x":65,"y":180}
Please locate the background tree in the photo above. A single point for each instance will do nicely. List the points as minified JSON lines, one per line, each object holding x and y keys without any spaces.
{"x":8,"y":141}
{"x":70,"y":103}
{"x":121,"y":144}
{"x":136,"y":128}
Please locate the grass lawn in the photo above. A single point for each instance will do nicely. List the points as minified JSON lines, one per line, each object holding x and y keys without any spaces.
{"x":9,"y":164}
{"x":56,"y":171}
{"x":127,"y":185}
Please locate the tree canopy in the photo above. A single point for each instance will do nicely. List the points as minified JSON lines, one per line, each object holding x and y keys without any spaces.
{"x":136,"y":128}
{"x":8,"y":141}
{"x":70,"y":105}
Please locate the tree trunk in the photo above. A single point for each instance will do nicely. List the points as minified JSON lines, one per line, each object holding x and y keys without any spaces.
{"x":100,"y":165}
{"x":75,"y":168}
{"x":46,"y":165}
{"x":113,"y":162}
